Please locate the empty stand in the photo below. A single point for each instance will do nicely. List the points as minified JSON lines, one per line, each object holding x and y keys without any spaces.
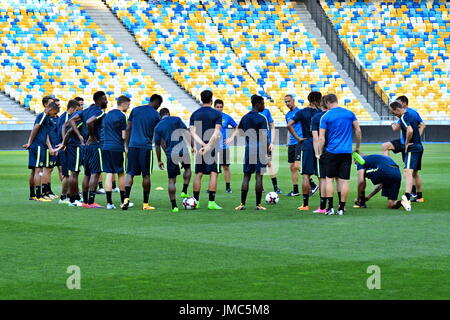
{"x":404,"y":46}
{"x":53,"y":47}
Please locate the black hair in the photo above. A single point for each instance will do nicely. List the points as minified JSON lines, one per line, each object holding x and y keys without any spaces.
{"x":156,"y":97}
{"x":98,"y":95}
{"x":47,"y":99}
{"x":53,"y":105}
{"x":395,"y":105}
{"x":164,"y":112}
{"x":403,"y":99}
{"x":78,"y":99}
{"x":72,"y":104}
{"x":315,"y":97}
{"x":330,"y":98}
{"x":256,"y":99}
{"x":206,"y":96}
{"x":122,"y":99}
{"x":218,"y":101}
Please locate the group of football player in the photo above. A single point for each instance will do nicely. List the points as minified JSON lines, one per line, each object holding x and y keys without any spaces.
{"x":320,"y":143}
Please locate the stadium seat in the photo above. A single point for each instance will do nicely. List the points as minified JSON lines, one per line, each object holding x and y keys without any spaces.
{"x":404,"y":46}
{"x":53,"y":47}
{"x":236,"y":49}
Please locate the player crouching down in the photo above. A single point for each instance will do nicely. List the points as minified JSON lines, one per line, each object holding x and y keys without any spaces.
{"x":385,"y":175}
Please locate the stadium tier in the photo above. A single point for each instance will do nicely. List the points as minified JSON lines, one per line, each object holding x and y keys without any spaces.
{"x":404,"y":46}
{"x":53,"y":47}
{"x":7,"y":118}
{"x":236,"y":50}
{"x":271,"y":41}
{"x":186,"y":43}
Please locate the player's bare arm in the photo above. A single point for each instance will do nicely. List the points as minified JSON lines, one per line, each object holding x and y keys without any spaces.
{"x":52,"y":151}
{"x":395,"y":126}
{"x":195,"y":136}
{"x":127,"y":134}
{"x":358,"y":135}
{"x":422,"y":127}
{"x":233,"y":135}
{"x":322,"y":133}
{"x":158,"y":156}
{"x":292,"y":131}
{"x":315,"y":135}
{"x":361,"y":181}
{"x":73,"y":124}
{"x":274,"y":135}
{"x":213,"y":139}
{"x":91,"y":128}
{"x":32,"y":136}
{"x":409,"y":134}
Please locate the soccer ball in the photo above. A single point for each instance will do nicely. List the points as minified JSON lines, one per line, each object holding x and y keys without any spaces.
{"x":189,"y":203}
{"x":272,"y":198}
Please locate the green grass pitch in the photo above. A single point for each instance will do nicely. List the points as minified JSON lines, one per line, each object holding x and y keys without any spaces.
{"x":277,"y":254}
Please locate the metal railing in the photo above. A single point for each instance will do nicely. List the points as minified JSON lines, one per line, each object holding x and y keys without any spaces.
{"x":367,"y":86}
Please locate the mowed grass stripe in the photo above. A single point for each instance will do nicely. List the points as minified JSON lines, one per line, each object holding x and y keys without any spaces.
{"x":280,"y":254}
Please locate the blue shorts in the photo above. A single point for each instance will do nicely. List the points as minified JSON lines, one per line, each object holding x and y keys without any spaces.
{"x":62,"y":159}
{"x":74,"y":158}
{"x":413,"y":160}
{"x":391,"y":186}
{"x":254,"y":168}
{"x":113,"y":161}
{"x":92,"y":159}
{"x":308,"y":157}
{"x":173,"y":169}
{"x":140,"y":161}
{"x":50,"y":161}
{"x":36,"y":156}
{"x":208,"y":165}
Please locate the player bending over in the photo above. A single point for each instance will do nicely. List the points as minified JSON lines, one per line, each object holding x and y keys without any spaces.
{"x":172,"y":133}
{"x":255,"y":127}
{"x":385,"y":175}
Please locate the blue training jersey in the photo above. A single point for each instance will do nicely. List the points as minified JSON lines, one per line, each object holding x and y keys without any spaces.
{"x":114,"y":123}
{"x":416,"y":115}
{"x":409,"y":119}
{"x":379,"y":168}
{"x":45,"y":126}
{"x":268,"y":115}
{"x":304,"y":117}
{"x":205,"y":119}
{"x":297,"y":126}
{"x":73,"y":139}
{"x":61,"y":121}
{"x":227,"y":122}
{"x":55,"y":139}
{"x":338,"y":122}
{"x":92,"y":111}
{"x":166,"y":132}
{"x":315,"y":124}
{"x":143,"y":122}
{"x":255,"y":126}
